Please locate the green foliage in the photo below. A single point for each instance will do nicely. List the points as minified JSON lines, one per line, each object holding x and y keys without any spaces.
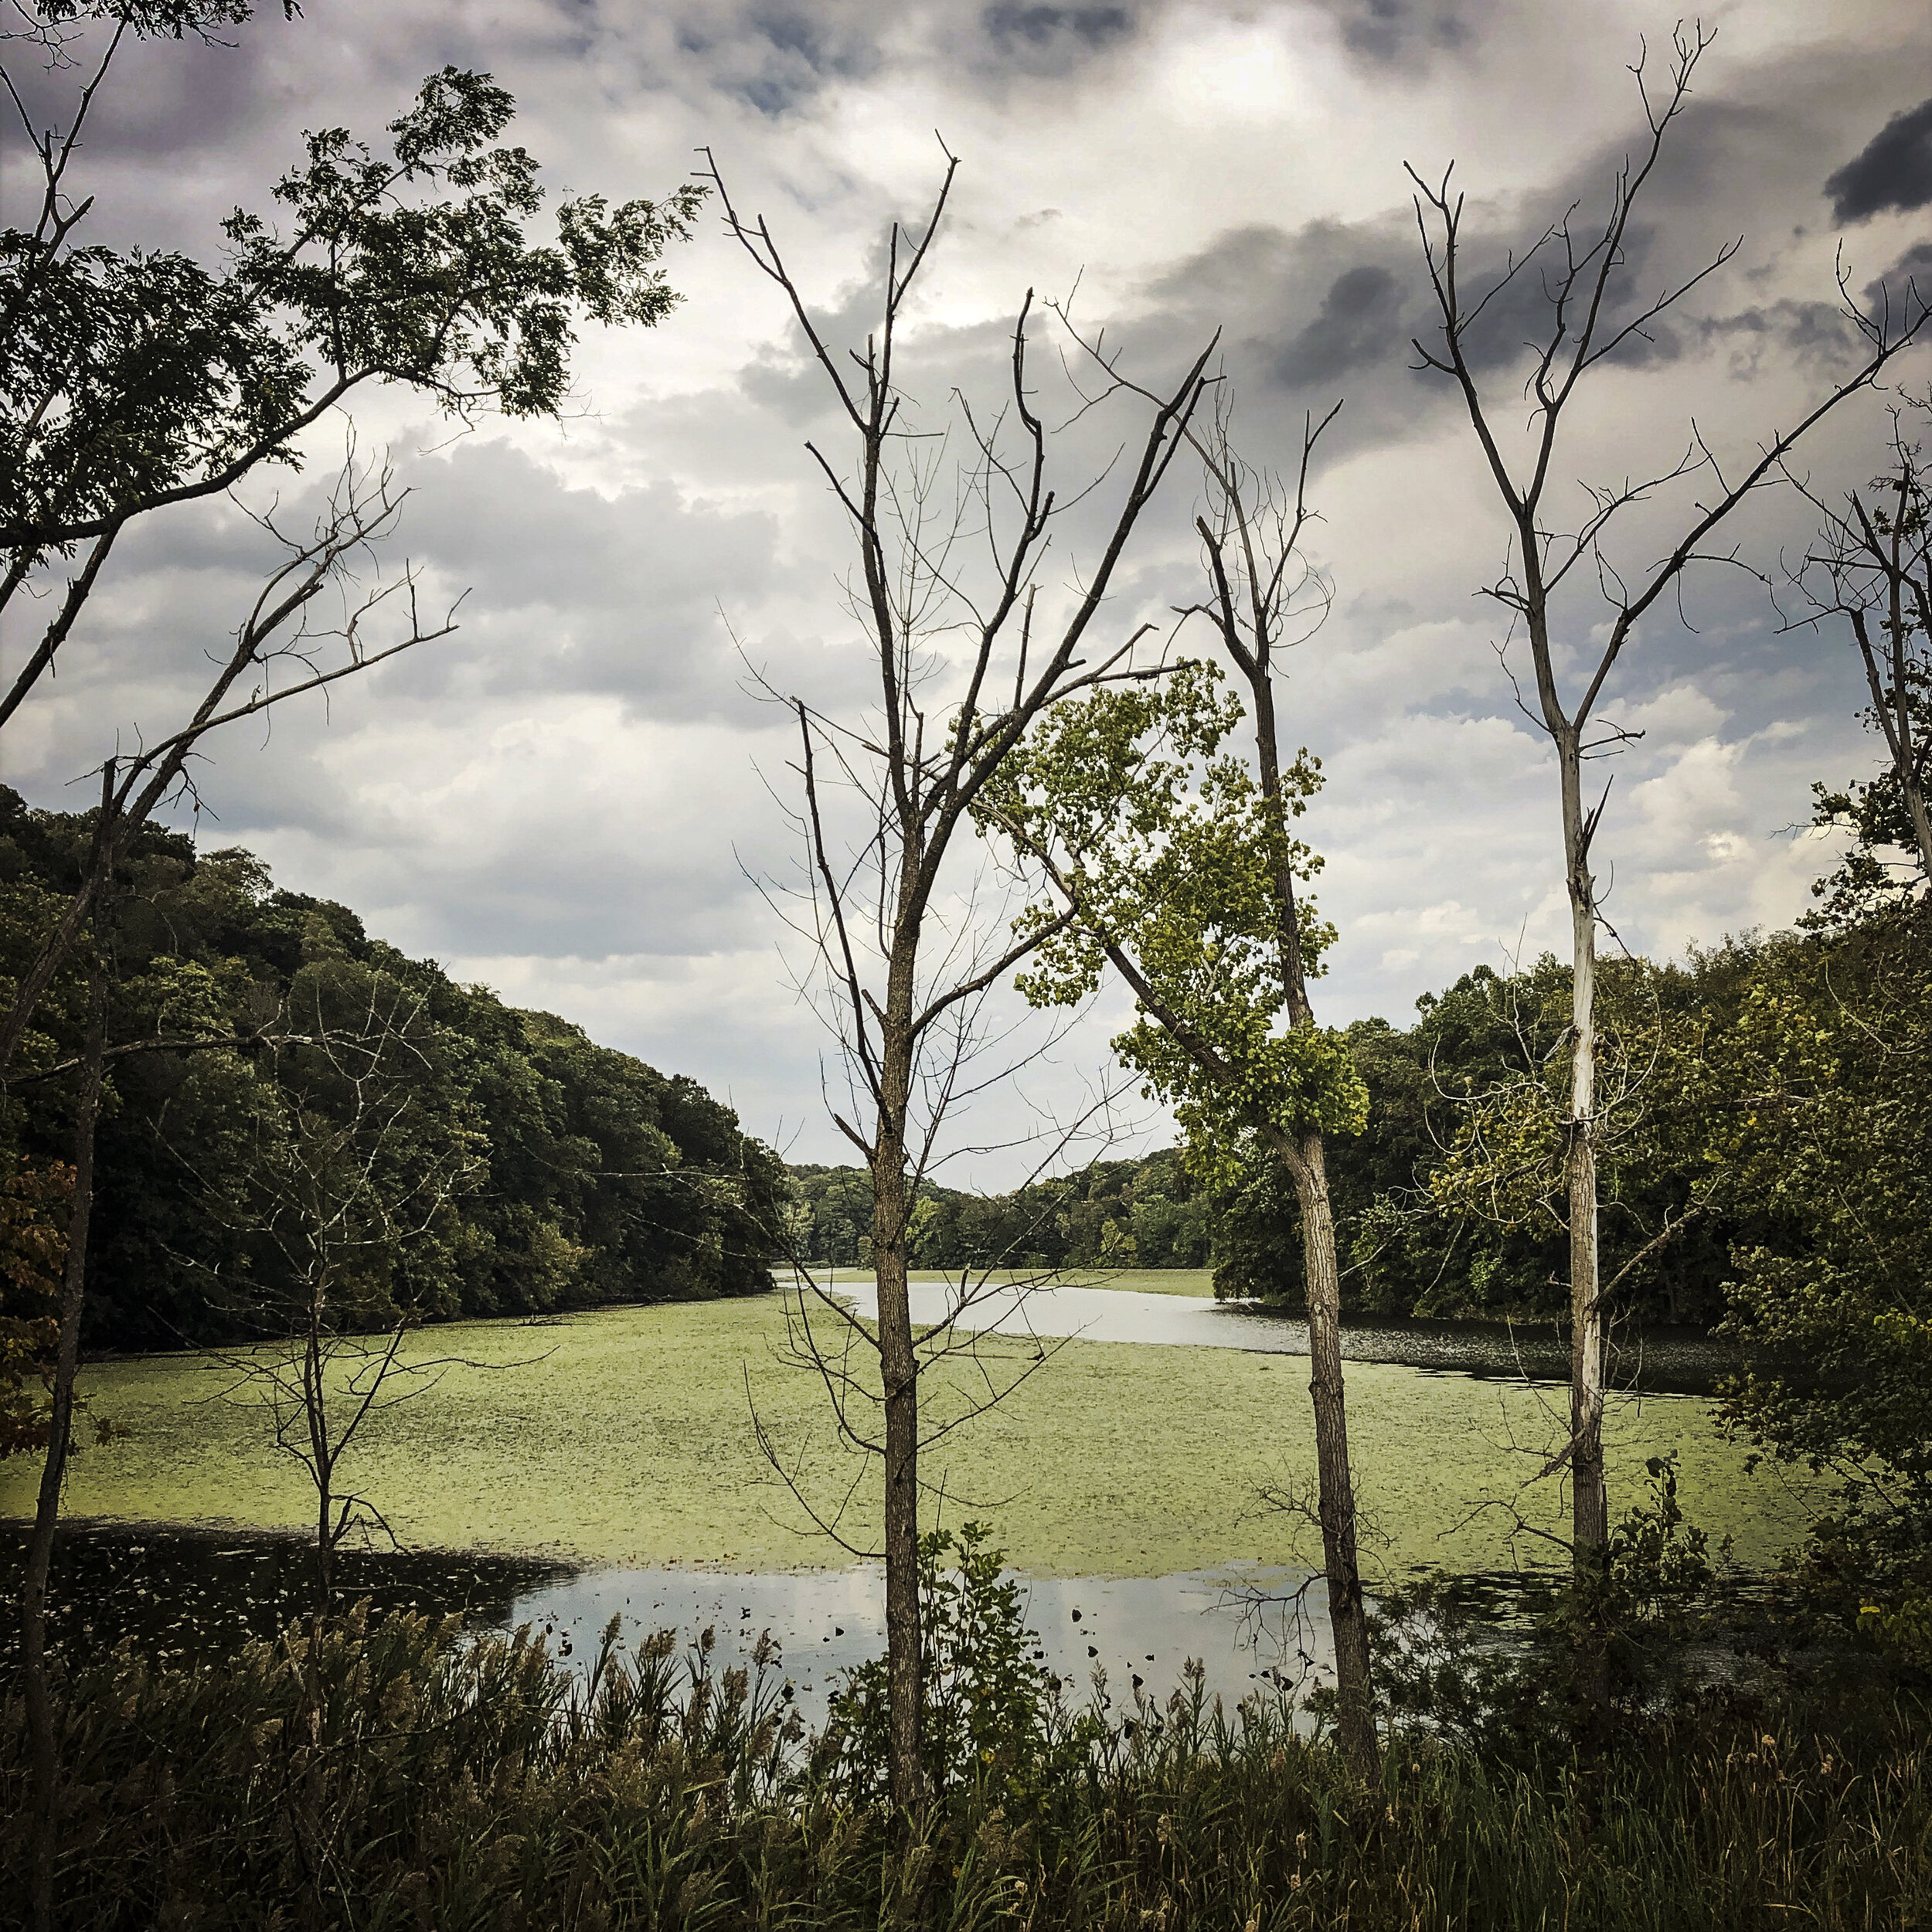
{"x":1166,"y":850}
{"x":1505,"y":1686}
{"x":390,"y":1772}
{"x":585,"y":1176}
{"x":33,"y":1253}
{"x":995,"y":1725}
{"x":1829,"y":1133}
{"x":134,"y":377}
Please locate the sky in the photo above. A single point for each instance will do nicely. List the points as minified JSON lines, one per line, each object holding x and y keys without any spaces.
{"x":581,"y":798}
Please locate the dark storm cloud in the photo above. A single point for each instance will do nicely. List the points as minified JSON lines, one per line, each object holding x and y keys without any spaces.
{"x":1893,"y":170}
{"x":1361,"y":315}
{"x":781,"y":58}
{"x":1912,"y":271}
{"x":1401,"y":33}
{"x":1046,"y":39}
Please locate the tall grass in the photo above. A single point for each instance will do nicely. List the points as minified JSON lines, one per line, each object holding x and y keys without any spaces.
{"x":391,"y":1772}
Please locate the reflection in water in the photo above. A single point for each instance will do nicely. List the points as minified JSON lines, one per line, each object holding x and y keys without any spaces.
{"x":1662,"y":1361}
{"x":1140,"y":1630}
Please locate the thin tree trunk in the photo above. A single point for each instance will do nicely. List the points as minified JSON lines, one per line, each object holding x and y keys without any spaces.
{"x":316,"y":1398}
{"x":1347,"y":1617}
{"x":1307,"y":1164}
{"x":44,"y":1746}
{"x":1589,"y":1519}
{"x":905,"y":1658}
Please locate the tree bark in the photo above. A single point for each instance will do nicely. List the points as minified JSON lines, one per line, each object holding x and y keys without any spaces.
{"x":1348,"y":1616}
{"x":899,"y":1370}
{"x":44,"y":1746}
{"x":1589,"y":1517}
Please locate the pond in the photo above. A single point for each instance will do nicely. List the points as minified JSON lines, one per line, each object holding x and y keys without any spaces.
{"x":614,"y":1454}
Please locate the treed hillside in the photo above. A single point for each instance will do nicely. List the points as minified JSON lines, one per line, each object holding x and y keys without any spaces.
{"x":1449,"y":1203}
{"x":481,"y":1160}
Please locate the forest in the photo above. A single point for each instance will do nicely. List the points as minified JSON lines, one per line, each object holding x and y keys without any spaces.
{"x":515,"y":1166}
{"x":1735,"y":1058}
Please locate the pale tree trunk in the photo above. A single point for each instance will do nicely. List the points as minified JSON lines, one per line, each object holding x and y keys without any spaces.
{"x":1348,"y":1616}
{"x":1590,"y":1517}
{"x":42,"y":1743}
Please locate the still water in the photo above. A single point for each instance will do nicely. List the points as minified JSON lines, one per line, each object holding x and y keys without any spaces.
{"x":188,"y":1596}
{"x":1662,"y":1361}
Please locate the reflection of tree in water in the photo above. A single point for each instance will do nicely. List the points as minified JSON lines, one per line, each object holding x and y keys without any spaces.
{"x":189,"y":1595}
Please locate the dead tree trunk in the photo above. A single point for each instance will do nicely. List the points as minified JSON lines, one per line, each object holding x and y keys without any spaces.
{"x":1590,"y":316}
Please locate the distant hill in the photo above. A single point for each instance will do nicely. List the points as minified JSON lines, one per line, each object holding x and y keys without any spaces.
{"x":557,"y":1173}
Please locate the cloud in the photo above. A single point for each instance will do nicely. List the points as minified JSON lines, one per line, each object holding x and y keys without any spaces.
{"x":560,"y":797}
{"x":1404,"y":33}
{"x":1052,"y":39}
{"x":1893,"y":170}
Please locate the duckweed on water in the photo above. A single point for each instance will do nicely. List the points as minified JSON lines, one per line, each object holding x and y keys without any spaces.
{"x":625,"y":1436}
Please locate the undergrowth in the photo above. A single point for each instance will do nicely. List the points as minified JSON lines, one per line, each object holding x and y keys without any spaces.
{"x":393,"y":1772}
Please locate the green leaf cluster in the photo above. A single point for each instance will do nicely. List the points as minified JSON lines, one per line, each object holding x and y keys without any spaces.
{"x":128,"y":374}
{"x":1163,"y":848}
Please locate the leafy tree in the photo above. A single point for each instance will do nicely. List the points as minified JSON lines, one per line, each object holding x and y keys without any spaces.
{"x":1828,"y":1124}
{"x":1171,"y":860}
{"x":137,"y":378}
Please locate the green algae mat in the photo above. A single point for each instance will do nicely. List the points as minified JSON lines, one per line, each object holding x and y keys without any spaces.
{"x":626,"y":1436}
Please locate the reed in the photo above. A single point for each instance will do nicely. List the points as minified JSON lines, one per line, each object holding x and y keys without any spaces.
{"x":392,"y":1773}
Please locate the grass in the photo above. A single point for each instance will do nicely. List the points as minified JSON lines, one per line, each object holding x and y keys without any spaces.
{"x":624,"y":1436}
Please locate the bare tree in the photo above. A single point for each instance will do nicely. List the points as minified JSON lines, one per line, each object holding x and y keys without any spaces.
{"x":341,"y":1186}
{"x":283,"y":648}
{"x":949,"y":597}
{"x":1591,"y":314}
{"x":1872,"y":567}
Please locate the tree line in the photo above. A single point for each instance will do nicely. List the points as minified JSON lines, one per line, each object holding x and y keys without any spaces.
{"x":1423,"y":1230}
